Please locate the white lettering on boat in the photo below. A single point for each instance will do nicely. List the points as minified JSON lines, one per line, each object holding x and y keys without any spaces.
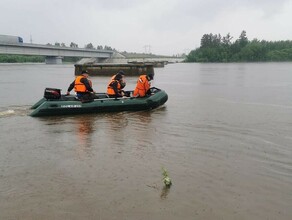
{"x":70,"y":106}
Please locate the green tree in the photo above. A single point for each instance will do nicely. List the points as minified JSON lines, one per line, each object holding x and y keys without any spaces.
{"x":73,"y":45}
{"x":107,"y":47}
{"x":243,"y":40}
{"x":215,"y":48}
{"x":210,"y":40}
{"x":89,"y":46}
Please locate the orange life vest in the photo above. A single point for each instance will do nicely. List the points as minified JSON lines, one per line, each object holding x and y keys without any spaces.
{"x":110,"y":90}
{"x":79,"y":86}
{"x":143,"y":85}
{"x":111,"y":80}
{"x":113,"y":77}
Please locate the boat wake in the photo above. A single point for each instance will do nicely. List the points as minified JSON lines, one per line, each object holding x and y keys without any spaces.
{"x":14,"y":111}
{"x":6,"y":113}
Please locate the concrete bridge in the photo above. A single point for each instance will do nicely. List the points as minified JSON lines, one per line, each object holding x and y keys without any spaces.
{"x":53,"y":54}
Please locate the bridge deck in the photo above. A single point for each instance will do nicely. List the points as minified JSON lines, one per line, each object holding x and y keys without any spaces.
{"x":46,"y":50}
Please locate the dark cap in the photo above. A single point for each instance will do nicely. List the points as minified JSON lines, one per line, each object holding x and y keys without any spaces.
{"x":150,"y":75}
{"x":84,"y":71}
{"x":118,"y":76}
{"x":121,"y":72}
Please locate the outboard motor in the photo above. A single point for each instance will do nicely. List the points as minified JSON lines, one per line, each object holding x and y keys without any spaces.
{"x":52,"y":93}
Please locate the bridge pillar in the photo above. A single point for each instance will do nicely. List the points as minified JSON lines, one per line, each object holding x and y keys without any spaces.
{"x":53,"y":60}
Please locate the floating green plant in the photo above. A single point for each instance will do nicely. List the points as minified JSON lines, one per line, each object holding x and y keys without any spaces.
{"x":166,"y":179}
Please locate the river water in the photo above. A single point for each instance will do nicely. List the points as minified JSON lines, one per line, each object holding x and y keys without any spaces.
{"x":224,"y":136}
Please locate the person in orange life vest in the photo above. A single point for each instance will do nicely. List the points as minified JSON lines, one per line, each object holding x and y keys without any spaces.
{"x":143,"y":85}
{"x":82,"y":85}
{"x":114,"y":88}
{"x":123,"y":82}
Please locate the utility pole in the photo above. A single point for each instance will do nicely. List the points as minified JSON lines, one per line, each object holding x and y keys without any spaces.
{"x":30,"y":39}
{"x":147,"y":49}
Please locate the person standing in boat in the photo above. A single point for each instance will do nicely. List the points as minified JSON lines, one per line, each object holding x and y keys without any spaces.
{"x":115,"y":86}
{"x":143,"y":85}
{"x":82,"y":86}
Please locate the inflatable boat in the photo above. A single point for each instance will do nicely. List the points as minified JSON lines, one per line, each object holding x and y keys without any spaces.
{"x":54,"y":103}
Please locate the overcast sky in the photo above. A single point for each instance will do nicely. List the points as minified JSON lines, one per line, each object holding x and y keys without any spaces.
{"x":168,"y":26}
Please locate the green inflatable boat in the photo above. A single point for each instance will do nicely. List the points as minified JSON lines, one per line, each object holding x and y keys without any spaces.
{"x":53,"y":103}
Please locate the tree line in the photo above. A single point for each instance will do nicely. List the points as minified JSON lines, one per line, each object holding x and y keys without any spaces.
{"x":87,"y":46}
{"x":215,"y":48}
{"x":8,"y":58}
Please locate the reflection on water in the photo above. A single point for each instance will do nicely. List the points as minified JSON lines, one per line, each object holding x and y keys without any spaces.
{"x":90,"y":133}
{"x":84,"y":126}
{"x":116,"y":121}
{"x":164,"y":192}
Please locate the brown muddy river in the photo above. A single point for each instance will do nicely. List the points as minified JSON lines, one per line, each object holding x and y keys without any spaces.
{"x":224,"y":136}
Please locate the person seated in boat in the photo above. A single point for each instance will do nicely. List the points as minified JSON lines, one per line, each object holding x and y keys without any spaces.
{"x":115,"y":86}
{"x":143,"y":85}
{"x":82,"y":86}
{"x":123,"y":82}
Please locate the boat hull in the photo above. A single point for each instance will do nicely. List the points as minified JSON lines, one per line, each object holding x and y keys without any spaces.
{"x":67,"y":106}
